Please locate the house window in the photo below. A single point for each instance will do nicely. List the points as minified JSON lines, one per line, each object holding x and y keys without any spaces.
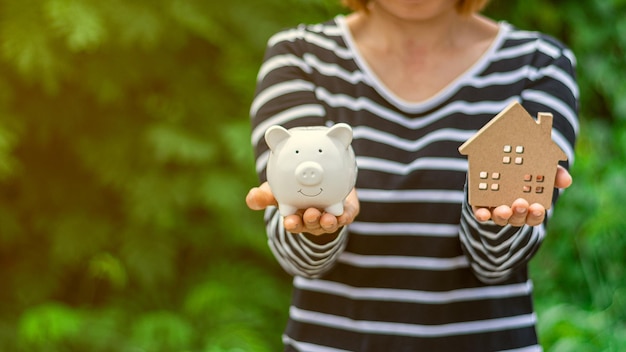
{"x":529,"y":188}
{"x":507,"y":149}
{"x":484,"y":175}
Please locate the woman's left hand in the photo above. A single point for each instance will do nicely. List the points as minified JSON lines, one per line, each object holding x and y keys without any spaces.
{"x":520,"y":212}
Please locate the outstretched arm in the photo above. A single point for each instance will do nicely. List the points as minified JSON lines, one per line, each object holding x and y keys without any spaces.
{"x":498,"y":241}
{"x":309,"y":242}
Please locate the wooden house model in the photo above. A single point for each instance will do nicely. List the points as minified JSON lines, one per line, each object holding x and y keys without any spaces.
{"x":513,"y":156}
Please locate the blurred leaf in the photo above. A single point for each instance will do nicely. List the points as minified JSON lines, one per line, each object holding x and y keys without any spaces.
{"x":149,"y":260}
{"x":110,"y":268}
{"x":568,"y":328}
{"x":79,"y":21}
{"x":174,"y":145}
{"x":198,"y":17}
{"x":235,"y":139}
{"x":237,"y":338}
{"x":161,"y":331}
{"x":138,"y":23}
{"x":26,"y":46}
{"x":7,"y":142}
{"x":49,"y":324}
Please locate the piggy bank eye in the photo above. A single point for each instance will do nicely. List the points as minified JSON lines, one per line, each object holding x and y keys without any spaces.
{"x":320,"y":151}
{"x":297,"y":151}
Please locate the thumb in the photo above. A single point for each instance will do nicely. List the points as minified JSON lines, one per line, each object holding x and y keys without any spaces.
{"x":259,"y":198}
{"x":563,"y":178}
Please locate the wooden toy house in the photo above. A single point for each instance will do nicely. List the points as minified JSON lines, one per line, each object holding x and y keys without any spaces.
{"x":512,"y":156}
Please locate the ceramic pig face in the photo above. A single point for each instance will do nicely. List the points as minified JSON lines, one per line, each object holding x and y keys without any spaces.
{"x":311,"y":167}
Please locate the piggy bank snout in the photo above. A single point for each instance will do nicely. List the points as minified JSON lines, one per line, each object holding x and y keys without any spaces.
{"x":309,"y":173}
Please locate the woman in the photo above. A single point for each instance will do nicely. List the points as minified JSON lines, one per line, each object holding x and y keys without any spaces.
{"x":419,"y":269}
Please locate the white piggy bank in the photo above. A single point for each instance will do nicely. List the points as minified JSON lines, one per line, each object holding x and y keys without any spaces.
{"x":311,"y":167}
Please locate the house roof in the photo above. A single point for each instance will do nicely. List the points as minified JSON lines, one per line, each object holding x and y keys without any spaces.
{"x":514,"y":125}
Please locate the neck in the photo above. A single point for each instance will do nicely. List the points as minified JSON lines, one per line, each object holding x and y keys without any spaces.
{"x":392,"y":33}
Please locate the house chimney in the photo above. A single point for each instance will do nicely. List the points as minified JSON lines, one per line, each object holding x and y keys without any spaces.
{"x":544,"y":119}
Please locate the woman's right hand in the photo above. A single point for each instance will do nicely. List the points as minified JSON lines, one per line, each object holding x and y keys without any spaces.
{"x":310,"y":220}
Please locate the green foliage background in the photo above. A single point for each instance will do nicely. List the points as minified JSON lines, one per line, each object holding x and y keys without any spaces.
{"x":125,"y":159}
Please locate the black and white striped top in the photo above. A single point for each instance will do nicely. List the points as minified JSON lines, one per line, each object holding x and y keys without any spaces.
{"x":415,"y":271}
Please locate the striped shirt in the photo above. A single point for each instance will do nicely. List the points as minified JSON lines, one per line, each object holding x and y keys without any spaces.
{"x":415,"y":271}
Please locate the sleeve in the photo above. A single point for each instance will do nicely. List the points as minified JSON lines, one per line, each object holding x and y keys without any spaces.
{"x":496,"y":252}
{"x":301,"y":254}
{"x":285,"y":95}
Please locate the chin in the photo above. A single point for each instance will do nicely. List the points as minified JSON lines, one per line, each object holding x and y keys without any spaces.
{"x":415,"y":10}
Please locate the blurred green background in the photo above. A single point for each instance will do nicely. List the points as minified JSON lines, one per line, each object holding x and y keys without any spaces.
{"x":125,"y":159}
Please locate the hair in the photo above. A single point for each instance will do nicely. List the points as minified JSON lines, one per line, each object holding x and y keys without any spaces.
{"x":465,"y":7}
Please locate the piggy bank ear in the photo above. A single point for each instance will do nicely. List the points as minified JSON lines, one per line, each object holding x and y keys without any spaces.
{"x":276,"y":134}
{"x":341,"y":132}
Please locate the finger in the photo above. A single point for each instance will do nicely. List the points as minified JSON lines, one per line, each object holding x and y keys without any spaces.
{"x":329,"y":222}
{"x":501,"y":215}
{"x":519,"y":210}
{"x":293,"y":223}
{"x":563,"y":178}
{"x":253,"y":199}
{"x":482,"y":214}
{"x":311,"y":219}
{"x":536,"y":214}
{"x":351,"y":209}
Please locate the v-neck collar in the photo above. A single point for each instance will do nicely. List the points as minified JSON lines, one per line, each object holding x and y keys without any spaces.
{"x":431,"y":102}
